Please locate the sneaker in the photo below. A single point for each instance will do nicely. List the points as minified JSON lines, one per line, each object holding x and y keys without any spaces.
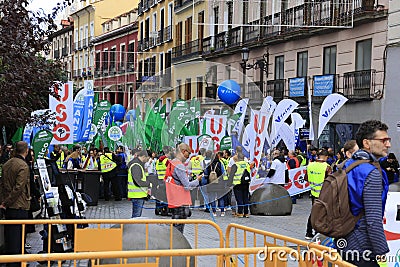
{"x":223,"y":214}
{"x":309,"y":236}
{"x":239,"y":215}
{"x":228,"y":208}
{"x":214,"y":214}
{"x":246,"y":216}
{"x":28,"y":246}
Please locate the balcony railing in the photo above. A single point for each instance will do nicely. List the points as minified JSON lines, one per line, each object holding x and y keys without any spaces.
{"x":168,"y":33}
{"x":152,"y":42}
{"x":276,"y":89}
{"x":186,"y":50}
{"x":207,"y":48}
{"x":359,"y":85}
{"x":252,"y":33}
{"x":130,"y":66}
{"x":219,"y":41}
{"x":160,"y":37}
{"x":234,"y":37}
{"x":80,"y":45}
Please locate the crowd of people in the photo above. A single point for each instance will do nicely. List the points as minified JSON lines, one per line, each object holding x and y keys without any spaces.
{"x":222,"y":178}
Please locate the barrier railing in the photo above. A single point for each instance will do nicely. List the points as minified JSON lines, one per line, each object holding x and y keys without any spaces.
{"x":305,"y":253}
{"x":248,"y":247}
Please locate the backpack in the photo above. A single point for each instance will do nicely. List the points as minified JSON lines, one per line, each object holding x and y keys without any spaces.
{"x":330,"y":213}
{"x":213,"y":177}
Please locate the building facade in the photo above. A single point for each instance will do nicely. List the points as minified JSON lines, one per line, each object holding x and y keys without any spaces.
{"x":115,"y":59}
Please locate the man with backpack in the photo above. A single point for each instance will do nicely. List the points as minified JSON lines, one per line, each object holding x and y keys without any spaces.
{"x":368,"y":187}
{"x":316,"y":173}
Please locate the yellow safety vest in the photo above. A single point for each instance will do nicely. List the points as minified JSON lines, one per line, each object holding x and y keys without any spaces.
{"x":60,"y":161}
{"x":303,"y":160}
{"x":135,"y":191}
{"x":241,"y":167}
{"x":106,"y":163}
{"x":196,"y":164}
{"x":224,"y":162}
{"x":316,"y":175}
{"x":161,"y":168}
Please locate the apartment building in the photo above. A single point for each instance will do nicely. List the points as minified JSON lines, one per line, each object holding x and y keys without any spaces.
{"x":155,"y":43}
{"x":298,"y":44}
{"x":115,"y":59}
{"x":87,"y":25}
{"x":61,"y":46}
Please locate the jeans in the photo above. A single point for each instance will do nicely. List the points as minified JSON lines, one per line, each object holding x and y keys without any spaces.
{"x":211,"y":200}
{"x":179,"y":213}
{"x":13,"y":233}
{"x":242,"y":198}
{"x":309,"y":225}
{"x":137,"y":207}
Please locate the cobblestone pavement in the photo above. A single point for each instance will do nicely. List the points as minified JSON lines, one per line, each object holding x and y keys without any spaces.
{"x":293,"y":225}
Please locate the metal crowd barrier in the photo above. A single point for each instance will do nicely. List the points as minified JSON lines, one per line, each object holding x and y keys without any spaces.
{"x":100,"y":242}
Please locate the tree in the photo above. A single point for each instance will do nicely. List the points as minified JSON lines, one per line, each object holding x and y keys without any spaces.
{"x":26,"y":77}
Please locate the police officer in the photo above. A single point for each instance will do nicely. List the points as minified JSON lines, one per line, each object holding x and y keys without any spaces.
{"x":316,"y":173}
{"x":137,"y":183}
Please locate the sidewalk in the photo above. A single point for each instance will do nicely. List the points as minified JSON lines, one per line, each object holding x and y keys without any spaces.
{"x":293,"y":225}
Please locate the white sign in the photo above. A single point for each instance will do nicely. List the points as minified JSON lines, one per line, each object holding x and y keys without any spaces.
{"x":391,"y":226}
{"x":115,"y":133}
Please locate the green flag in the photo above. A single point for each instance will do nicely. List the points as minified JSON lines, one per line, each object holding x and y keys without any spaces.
{"x":41,"y":142}
{"x":101,"y":110}
{"x":17,"y":135}
{"x":226,"y":143}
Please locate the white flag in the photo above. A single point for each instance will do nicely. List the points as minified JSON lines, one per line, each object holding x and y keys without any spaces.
{"x":282,"y":111}
{"x":288,"y":137}
{"x":332,"y":103}
{"x":241,"y":107}
{"x":311,"y":134}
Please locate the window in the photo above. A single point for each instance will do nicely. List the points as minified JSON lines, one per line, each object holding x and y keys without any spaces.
{"x":178,"y":32}
{"x":168,"y":104}
{"x":216,"y":20}
{"x":122,"y":57}
{"x":329,"y":60}
{"x":199,"y":87}
{"x":363,"y":54}
{"x":112,"y":58}
{"x":188,"y":89}
{"x":131,"y":57}
{"x":105,"y":61}
{"x":302,"y":64}
{"x":161,"y":64}
{"x":188,"y":30}
{"x":279,"y":68}
{"x":97,"y":61}
{"x":153,"y":66}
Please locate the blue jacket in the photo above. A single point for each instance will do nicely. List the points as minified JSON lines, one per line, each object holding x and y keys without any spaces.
{"x":367,"y":191}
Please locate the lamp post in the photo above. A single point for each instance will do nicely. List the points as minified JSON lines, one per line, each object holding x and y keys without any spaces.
{"x":261,"y":64}
{"x":143,"y":97}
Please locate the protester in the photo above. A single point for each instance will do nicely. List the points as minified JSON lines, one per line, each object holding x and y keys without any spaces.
{"x":317,"y":171}
{"x":340,"y":159}
{"x":368,"y":188}
{"x":108,"y":167}
{"x":137,"y":183}
{"x":178,"y":184}
{"x":214,"y":190}
{"x":74,"y":160}
{"x":239,"y":176}
{"x":391,"y":167}
{"x":15,"y":198}
{"x":122,"y":171}
{"x":276,"y":174}
{"x":349,"y":148}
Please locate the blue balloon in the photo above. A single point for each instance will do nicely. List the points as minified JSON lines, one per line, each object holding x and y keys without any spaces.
{"x":229,"y":92}
{"x":118,"y":123}
{"x":117,"y":111}
{"x":130,"y":115}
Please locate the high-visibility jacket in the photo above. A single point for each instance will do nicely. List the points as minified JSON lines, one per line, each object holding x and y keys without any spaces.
{"x":241,"y":167}
{"x":196,"y":164}
{"x":161,"y":167}
{"x":60,"y":160}
{"x":316,"y":175}
{"x":302,"y":159}
{"x":106,"y":162}
{"x":224,"y":163}
{"x":135,"y":191}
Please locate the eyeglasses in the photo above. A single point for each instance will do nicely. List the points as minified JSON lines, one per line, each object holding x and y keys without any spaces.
{"x":383,"y":140}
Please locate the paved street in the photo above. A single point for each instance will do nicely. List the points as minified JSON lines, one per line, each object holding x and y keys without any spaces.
{"x":293,"y":226}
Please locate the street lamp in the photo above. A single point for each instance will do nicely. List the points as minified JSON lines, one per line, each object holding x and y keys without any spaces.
{"x":261,"y":64}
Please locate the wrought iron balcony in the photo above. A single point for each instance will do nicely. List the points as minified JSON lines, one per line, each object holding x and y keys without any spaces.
{"x":185,"y":51}
{"x":219,"y":41}
{"x":234,"y":37}
{"x":168,"y":33}
{"x":276,"y":89}
{"x":252,"y":33}
{"x":207,"y":48}
{"x":160,"y":37}
{"x":359,"y":85}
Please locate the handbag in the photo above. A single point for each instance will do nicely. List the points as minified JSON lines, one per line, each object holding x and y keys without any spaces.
{"x":35,"y":204}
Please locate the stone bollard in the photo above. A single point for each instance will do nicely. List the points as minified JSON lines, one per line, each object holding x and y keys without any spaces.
{"x":134,"y":238}
{"x":271,"y":200}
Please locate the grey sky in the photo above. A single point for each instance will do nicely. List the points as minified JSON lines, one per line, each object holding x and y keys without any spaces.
{"x":47,"y":5}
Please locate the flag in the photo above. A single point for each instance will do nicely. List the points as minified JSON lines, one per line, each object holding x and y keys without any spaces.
{"x":282,"y":111}
{"x":332,"y":103}
{"x":17,"y":135}
{"x":41,"y":142}
{"x":79,"y":108}
{"x":311,"y":134}
{"x":241,"y":108}
{"x":88,"y":111}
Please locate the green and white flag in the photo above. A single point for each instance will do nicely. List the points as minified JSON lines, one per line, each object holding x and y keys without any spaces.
{"x":41,"y":142}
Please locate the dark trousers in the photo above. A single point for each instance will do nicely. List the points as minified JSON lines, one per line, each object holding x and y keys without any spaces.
{"x":242,"y":198}
{"x":111,"y":177}
{"x":309,"y":226}
{"x":123,"y":183}
{"x":179,"y":213}
{"x":13,"y":233}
